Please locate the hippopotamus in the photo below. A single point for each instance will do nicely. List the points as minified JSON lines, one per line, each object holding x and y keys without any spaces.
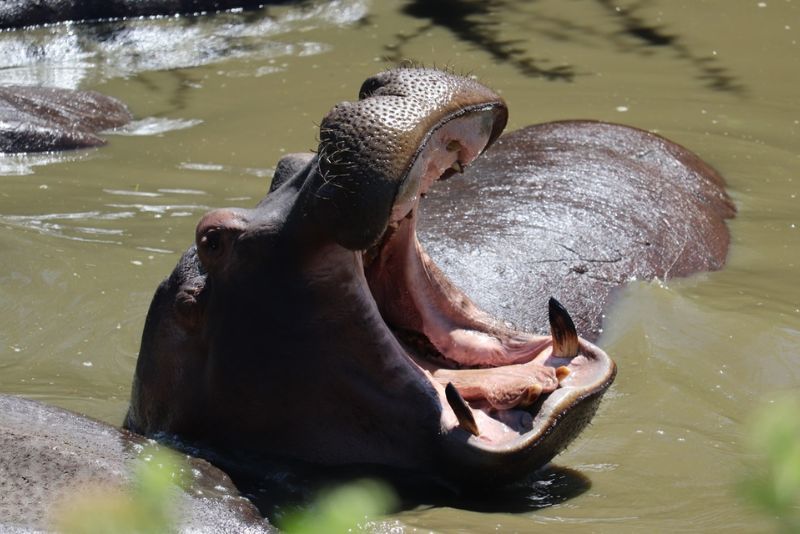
{"x":18,"y":13}
{"x":315,"y":326}
{"x":41,"y":119}
{"x":47,"y":455}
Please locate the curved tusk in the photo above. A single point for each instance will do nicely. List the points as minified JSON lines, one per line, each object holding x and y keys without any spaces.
{"x":565,"y":337}
{"x":460,"y":408}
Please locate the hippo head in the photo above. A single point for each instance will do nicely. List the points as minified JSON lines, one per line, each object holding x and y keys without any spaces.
{"x":315,"y":326}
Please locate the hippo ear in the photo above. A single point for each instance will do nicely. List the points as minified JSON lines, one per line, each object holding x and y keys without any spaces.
{"x":215,"y":237}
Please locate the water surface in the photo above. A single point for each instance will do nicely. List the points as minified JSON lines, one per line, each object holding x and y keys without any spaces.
{"x":85,"y":237}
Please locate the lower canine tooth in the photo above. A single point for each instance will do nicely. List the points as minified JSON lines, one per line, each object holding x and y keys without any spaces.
{"x":533,"y":393}
{"x":565,"y":338}
{"x":456,"y":166}
{"x":460,"y":408}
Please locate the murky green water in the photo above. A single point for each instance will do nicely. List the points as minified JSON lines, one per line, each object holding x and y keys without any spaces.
{"x":85,"y":238}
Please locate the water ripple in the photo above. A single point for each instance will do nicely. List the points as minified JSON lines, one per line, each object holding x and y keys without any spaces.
{"x":154,"y":126}
{"x":126,"y":48}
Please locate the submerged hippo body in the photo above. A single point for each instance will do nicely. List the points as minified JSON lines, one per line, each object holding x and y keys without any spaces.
{"x":48,"y":456}
{"x":315,"y":326}
{"x":19,"y":13}
{"x":42,"y":119}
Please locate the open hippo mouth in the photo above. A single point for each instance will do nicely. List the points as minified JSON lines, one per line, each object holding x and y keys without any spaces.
{"x":503,"y":392}
{"x":315,"y":326}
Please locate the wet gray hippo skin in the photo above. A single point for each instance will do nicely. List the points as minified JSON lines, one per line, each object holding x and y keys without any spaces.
{"x":48,"y":454}
{"x":40,"y":119}
{"x":575,"y":209}
{"x":18,"y":13}
{"x":315,"y":327}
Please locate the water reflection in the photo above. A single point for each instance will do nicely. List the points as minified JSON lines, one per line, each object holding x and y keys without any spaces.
{"x":650,"y":34}
{"x":69,"y":55}
{"x":155,"y":126}
{"x":550,"y":486}
{"x":280,"y":485}
{"x":102,"y":226}
{"x":23,"y":164}
{"x":485,"y":24}
{"x":472,"y":21}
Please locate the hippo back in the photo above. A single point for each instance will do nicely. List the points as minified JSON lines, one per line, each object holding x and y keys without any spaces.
{"x":46,"y":454}
{"x":572,"y":210}
{"x":42,"y":119}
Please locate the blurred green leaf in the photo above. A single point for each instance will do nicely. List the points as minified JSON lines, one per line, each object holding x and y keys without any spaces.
{"x":342,"y":510}
{"x":146,"y":506}
{"x":773,"y":482}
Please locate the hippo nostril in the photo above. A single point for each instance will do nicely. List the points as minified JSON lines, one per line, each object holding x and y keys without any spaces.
{"x":370,"y":85}
{"x":453,"y":146}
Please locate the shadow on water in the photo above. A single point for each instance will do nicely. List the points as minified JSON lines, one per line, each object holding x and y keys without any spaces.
{"x":280,"y":486}
{"x":650,"y":36}
{"x":476,"y":22}
{"x":548,"y":487}
{"x":471,"y":21}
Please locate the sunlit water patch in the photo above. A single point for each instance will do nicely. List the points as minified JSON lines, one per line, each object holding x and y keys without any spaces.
{"x":154,"y":126}
{"x":23,"y":164}
{"x":69,"y":54}
{"x":215,"y":167}
{"x":106,"y":226}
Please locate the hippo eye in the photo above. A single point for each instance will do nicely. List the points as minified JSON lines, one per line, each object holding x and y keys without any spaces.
{"x":212,"y":240}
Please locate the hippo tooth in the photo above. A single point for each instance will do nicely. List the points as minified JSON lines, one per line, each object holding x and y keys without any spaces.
{"x":562,"y":373}
{"x":453,"y":146}
{"x":460,"y":408}
{"x":565,"y":337}
{"x":456,"y":166}
{"x":531,"y":395}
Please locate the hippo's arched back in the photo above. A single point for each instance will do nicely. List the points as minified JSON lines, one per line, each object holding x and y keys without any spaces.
{"x":48,"y":455}
{"x":575,"y":209}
